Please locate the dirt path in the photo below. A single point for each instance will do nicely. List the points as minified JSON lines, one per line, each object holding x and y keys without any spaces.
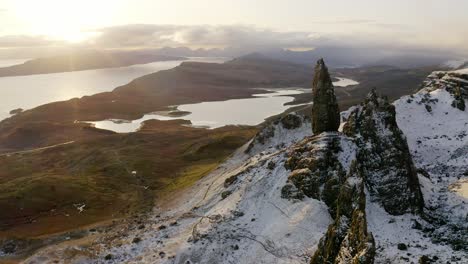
{"x":36,"y":149}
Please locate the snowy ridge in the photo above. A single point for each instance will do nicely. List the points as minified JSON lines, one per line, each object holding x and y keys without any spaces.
{"x":437,"y":138}
{"x":277,"y":135}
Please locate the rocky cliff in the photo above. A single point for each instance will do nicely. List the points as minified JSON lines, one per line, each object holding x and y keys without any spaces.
{"x":383,"y":158}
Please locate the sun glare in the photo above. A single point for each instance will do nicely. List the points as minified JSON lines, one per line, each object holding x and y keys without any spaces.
{"x":70,"y":21}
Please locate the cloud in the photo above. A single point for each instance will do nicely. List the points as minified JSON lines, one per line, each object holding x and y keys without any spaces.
{"x":15,"y":41}
{"x":346,"y":21}
{"x":143,"y":35}
{"x":247,"y":37}
{"x":388,"y":38}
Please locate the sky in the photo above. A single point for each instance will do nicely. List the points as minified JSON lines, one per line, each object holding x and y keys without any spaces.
{"x":295,"y":24}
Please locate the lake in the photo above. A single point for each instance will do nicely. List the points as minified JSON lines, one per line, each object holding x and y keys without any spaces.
{"x":30,"y":91}
{"x":248,"y":111}
{"x":344,"y":82}
{"x":220,"y":113}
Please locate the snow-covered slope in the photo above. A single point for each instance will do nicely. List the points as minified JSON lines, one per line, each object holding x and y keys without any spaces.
{"x":234,"y":215}
{"x":241,"y":217}
{"x":436,"y":133}
{"x":455,"y":64}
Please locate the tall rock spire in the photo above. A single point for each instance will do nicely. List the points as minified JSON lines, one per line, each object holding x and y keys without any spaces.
{"x":325,"y":112}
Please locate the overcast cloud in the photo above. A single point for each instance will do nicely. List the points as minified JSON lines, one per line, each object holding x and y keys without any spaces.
{"x":246,"y":37}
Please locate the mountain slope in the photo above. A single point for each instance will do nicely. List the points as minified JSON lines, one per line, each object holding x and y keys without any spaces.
{"x":383,"y":189}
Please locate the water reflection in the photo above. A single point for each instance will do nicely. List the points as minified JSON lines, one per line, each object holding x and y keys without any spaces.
{"x":249,"y":111}
{"x":30,"y":91}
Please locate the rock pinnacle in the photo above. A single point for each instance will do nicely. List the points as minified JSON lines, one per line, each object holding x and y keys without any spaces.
{"x":325,"y":112}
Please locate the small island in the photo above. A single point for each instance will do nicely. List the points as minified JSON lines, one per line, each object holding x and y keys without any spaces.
{"x":16,"y":111}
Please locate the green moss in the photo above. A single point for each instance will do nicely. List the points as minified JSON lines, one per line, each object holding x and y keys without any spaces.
{"x":99,"y":173}
{"x":225,"y":194}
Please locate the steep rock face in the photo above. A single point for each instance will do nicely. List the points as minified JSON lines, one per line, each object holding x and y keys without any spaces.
{"x":347,"y":239}
{"x":325,"y":113}
{"x":323,"y":167}
{"x":383,"y":157}
{"x":316,"y":170}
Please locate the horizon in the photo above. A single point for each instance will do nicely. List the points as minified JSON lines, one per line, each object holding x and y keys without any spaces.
{"x":395,"y":26}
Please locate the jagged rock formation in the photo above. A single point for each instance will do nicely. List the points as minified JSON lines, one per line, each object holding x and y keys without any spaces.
{"x":455,"y":82}
{"x":337,"y":168}
{"x":316,"y":171}
{"x":383,"y":157}
{"x":377,"y":159}
{"x":325,"y":112}
{"x":322,"y":168}
{"x":347,"y":239}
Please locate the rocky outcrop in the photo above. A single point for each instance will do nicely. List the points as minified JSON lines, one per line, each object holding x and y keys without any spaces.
{"x":459,"y":101}
{"x":291,"y":121}
{"x":323,"y":167}
{"x":315,"y":169}
{"x":383,"y":158}
{"x":372,"y":154}
{"x":325,"y":112}
{"x":455,"y":82}
{"x":347,"y":239}
{"x":280,"y":132}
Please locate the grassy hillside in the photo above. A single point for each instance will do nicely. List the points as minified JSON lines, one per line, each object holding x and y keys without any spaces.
{"x":114,"y":176}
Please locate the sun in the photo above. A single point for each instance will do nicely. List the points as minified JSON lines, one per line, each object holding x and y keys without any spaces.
{"x":71,"y":21}
{"x":74,"y":37}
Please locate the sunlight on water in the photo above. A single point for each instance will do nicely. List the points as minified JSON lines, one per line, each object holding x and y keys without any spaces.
{"x":343,"y":82}
{"x":217,"y":114}
{"x":30,"y":91}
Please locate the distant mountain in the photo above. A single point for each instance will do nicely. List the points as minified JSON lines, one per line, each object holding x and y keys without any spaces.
{"x":83,"y":60}
{"x":345,"y":57}
{"x":337,"y":57}
{"x":455,"y":64}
